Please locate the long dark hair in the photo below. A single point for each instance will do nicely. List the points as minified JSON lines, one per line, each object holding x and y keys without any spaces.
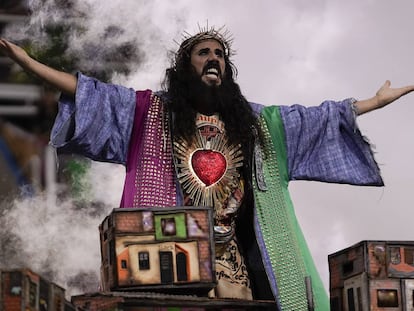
{"x":240,"y":124}
{"x":234,"y":109}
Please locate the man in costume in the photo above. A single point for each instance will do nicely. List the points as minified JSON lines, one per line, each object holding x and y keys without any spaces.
{"x":200,"y":142}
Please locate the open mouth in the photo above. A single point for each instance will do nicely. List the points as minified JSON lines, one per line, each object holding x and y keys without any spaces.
{"x":212,"y":70}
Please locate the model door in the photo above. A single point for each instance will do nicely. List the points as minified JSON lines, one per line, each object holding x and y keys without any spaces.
{"x":166,"y":267}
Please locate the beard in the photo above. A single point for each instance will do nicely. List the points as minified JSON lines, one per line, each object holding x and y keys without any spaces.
{"x":188,"y":94}
{"x":207,"y":99}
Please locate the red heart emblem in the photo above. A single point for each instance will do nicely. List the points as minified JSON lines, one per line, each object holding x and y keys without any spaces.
{"x":208,"y":165}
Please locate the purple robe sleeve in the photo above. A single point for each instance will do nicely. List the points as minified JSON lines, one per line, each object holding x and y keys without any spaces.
{"x":97,"y":123}
{"x":324,"y":144}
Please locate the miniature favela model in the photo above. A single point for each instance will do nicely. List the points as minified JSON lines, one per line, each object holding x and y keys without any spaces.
{"x":22,"y":289}
{"x":159,"y":259}
{"x":373,"y":275}
{"x":166,"y":249}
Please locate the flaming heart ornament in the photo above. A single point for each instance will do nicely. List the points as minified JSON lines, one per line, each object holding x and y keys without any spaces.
{"x":208,"y":165}
{"x":207,"y":168}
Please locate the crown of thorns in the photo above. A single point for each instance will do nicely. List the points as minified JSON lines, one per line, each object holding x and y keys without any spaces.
{"x":221,"y":35}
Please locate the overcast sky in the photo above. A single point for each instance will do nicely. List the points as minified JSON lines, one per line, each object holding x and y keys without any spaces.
{"x":307,"y":51}
{"x":291,"y":52}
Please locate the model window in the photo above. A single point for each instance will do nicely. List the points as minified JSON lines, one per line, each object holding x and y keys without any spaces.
{"x":111,"y":251}
{"x":168,"y":226}
{"x":359,"y":297}
{"x":387,"y":298}
{"x":335,"y":305}
{"x":181,"y":263}
{"x":348,"y":267}
{"x":409,"y":256}
{"x":32,"y":294}
{"x":43,"y":294}
{"x":58,"y":301}
{"x":123,"y":264}
{"x":15,"y":283}
{"x":147,"y":221}
{"x":351,"y":302}
{"x":143,"y":261}
{"x":395,"y":255}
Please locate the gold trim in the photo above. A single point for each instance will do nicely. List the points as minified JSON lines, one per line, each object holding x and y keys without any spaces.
{"x":200,"y":193}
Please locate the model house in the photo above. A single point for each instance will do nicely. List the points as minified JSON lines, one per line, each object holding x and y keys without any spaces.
{"x":373,"y":275}
{"x":158,"y":248}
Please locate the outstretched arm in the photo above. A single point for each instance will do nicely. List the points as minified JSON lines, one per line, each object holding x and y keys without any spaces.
{"x":63,"y":81}
{"x":384,"y":96}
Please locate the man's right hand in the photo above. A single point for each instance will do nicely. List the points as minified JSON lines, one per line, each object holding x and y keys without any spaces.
{"x":13,"y":51}
{"x":63,"y":81}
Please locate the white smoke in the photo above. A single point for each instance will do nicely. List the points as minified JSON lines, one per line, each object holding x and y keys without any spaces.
{"x":59,"y":241}
{"x":96,"y":27}
{"x":58,"y":237}
{"x":290,"y":51}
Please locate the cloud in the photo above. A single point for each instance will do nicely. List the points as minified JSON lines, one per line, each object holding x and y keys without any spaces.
{"x":288,"y":52}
